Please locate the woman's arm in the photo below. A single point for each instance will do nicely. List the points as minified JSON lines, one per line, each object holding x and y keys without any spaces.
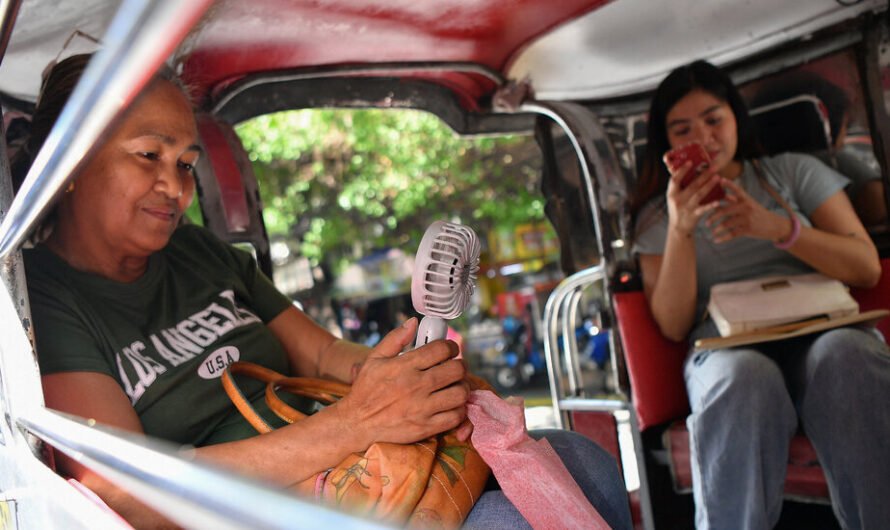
{"x":670,"y":280}
{"x":313,"y":351}
{"x":399,"y":399}
{"x":837,"y":245}
{"x":98,"y":396}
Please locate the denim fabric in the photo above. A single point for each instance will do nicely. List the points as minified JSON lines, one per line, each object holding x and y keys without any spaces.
{"x":747,"y":403}
{"x":595,"y":471}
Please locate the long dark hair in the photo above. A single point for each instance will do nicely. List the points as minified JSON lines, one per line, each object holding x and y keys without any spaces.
{"x":699,"y":75}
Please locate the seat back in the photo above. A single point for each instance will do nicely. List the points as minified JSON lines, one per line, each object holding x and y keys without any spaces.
{"x":654,"y":364}
{"x":227,"y":189}
{"x":798,"y":124}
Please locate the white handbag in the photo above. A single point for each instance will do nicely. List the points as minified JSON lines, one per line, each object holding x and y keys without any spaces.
{"x":745,"y":306}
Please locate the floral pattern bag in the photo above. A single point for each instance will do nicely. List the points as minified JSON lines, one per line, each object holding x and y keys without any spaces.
{"x":433,"y":483}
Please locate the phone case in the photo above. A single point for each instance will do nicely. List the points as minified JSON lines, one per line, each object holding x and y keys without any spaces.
{"x":694,"y":151}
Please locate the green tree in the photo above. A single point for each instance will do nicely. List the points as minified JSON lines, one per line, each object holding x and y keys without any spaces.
{"x":343,"y":182}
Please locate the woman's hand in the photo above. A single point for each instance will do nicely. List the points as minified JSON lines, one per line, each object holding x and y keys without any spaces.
{"x":742,"y":216}
{"x":406,"y":398}
{"x":684,"y":204}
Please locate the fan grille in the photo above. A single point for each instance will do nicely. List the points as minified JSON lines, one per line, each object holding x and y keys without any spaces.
{"x":446,"y":267}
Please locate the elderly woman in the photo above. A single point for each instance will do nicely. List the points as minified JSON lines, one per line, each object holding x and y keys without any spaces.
{"x":136,"y":317}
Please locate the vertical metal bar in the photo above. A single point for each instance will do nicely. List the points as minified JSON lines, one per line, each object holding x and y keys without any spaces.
{"x":551,"y":321}
{"x":9,"y":11}
{"x":10,"y":266}
{"x":11,"y":269}
{"x":141,"y":36}
{"x":551,"y":353}
{"x":569,"y":343}
{"x":645,"y":493}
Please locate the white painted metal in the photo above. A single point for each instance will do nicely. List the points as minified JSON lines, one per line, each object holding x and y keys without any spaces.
{"x":35,"y":495}
{"x":40,"y":33}
{"x":628,"y":46}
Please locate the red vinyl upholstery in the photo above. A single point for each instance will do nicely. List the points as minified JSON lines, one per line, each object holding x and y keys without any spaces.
{"x":600,"y":427}
{"x":877,"y":297}
{"x":229,"y":162}
{"x":804,"y":480}
{"x":654,"y":364}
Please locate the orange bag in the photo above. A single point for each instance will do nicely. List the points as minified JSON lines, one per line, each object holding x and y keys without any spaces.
{"x":433,"y":483}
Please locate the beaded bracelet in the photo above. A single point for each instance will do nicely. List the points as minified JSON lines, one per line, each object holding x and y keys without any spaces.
{"x":792,"y":239}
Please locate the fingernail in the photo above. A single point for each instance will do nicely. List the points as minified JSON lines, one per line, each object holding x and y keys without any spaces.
{"x":407,"y":323}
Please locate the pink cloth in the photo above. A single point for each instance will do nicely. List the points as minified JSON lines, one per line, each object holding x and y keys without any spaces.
{"x":529,"y":471}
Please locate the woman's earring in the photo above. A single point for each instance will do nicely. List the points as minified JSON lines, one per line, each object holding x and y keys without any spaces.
{"x":70,"y":188}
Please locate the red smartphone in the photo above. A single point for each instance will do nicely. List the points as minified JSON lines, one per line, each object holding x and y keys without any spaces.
{"x":695,"y":152}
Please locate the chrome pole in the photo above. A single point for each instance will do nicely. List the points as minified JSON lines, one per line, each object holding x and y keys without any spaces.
{"x":569,"y":343}
{"x":9,"y":11}
{"x":11,"y":270}
{"x":190,"y":492}
{"x":141,"y":36}
{"x":552,"y":310}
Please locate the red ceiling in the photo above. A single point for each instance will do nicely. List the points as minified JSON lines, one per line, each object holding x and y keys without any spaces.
{"x":244,"y":37}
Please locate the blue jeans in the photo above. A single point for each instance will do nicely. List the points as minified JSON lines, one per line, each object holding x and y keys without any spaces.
{"x":748,"y":402}
{"x":595,"y":471}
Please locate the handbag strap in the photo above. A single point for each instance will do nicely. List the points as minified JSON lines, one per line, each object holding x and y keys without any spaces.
{"x":761,"y":176}
{"x":322,"y":390}
{"x":241,"y":403}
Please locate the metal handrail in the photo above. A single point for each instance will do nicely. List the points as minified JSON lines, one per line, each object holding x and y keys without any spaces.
{"x":191,"y":493}
{"x":551,"y":324}
{"x":9,"y":10}
{"x":570,"y":342}
{"x":140,"y":38}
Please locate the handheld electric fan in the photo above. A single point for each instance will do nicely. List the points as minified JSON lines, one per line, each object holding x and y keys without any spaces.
{"x":444,"y":277}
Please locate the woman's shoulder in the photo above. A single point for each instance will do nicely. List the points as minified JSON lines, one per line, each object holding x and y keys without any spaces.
{"x":201,"y":248}
{"x":652,"y":212}
{"x":793,"y":161}
{"x":194,"y":239}
{"x":43,"y":267}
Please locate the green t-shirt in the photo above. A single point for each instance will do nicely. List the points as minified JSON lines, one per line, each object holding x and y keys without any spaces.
{"x":166,"y":337}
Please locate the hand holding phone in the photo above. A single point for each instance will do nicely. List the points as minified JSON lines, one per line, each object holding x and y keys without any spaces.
{"x":696,"y":153}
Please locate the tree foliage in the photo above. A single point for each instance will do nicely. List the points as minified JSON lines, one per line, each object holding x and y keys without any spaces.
{"x":343,"y":182}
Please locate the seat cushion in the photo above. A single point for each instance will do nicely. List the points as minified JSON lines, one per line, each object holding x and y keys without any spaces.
{"x":805,"y":480}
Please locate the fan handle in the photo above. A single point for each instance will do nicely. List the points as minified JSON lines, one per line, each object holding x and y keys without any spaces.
{"x":430,"y":329}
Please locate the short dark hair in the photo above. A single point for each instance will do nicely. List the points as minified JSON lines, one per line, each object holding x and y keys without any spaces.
{"x":698,"y":75}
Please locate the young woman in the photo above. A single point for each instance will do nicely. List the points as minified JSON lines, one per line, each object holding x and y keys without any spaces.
{"x":132,"y":313}
{"x":747,"y":402}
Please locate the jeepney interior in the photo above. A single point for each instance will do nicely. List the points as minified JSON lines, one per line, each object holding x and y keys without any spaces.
{"x":506,"y":85}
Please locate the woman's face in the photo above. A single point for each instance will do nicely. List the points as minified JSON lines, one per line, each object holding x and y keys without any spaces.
{"x":131,"y":194}
{"x":700,"y":116}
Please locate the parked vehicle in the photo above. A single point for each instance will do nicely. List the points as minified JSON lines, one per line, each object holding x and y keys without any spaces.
{"x":575,"y":73}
